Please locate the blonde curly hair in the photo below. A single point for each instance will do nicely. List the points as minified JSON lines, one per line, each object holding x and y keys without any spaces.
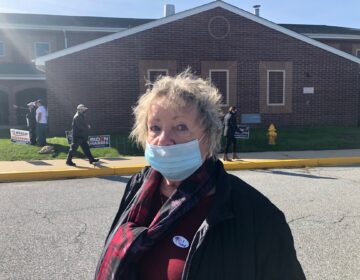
{"x":180,"y":91}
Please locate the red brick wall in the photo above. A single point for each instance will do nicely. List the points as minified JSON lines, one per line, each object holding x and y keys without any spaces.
{"x":106,"y":77}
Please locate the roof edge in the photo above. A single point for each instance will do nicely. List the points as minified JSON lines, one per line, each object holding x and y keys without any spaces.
{"x":215,"y":4}
{"x":61,"y":28}
{"x":41,"y":77}
{"x":332,"y":36}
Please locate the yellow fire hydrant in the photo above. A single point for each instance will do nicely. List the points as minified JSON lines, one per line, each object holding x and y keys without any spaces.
{"x":272,"y":134}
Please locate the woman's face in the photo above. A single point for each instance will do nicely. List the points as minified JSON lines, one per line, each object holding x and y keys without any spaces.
{"x":167,"y":126}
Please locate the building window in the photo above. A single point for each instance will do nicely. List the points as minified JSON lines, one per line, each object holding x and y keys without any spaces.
{"x":154,"y":74}
{"x":220,"y":78}
{"x":2,"y":48}
{"x":42,"y":48}
{"x":275,"y":87}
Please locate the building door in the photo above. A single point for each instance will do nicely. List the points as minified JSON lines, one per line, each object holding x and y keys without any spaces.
{"x":4,"y":108}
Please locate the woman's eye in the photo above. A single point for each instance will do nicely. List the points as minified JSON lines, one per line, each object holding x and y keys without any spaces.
{"x":181,"y":127}
{"x":154,"y":128}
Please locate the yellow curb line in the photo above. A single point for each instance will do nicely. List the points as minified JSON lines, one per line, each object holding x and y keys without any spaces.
{"x":268,"y":164}
{"x":128,"y":170}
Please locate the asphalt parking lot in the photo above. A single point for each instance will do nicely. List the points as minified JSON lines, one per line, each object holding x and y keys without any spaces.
{"x":56,"y":229}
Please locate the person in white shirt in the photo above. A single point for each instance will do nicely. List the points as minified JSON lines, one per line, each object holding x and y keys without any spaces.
{"x":41,"y":123}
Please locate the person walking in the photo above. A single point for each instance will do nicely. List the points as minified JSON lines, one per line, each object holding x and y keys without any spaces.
{"x":230,"y":127}
{"x":80,"y":133}
{"x":41,"y":123}
{"x":31,"y":122}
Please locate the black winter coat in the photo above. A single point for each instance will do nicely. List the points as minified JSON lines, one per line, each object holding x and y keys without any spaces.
{"x":230,"y":125}
{"x":245,"y":236}
{"x":31,"y":118}
{"x":80,"y":127}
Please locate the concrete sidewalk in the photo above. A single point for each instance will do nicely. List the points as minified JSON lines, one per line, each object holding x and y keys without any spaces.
{"x":15,"y":171}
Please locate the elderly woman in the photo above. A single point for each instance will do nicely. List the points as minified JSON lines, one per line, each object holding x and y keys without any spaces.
{"x":184,"y":217}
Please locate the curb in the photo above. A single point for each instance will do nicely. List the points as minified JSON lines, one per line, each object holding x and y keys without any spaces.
{"x":128,"y":170}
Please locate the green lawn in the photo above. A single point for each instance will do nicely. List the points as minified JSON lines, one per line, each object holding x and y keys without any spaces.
{"x":12,"y":151}
{"x":303,"y":138}
{"x":289,"y":139}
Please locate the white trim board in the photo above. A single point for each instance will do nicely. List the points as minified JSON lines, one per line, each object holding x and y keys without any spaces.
{"x":332,"y":36}
{"x":212,"y":5}
{"x":61,"y":28}
{"x":22,"y":77}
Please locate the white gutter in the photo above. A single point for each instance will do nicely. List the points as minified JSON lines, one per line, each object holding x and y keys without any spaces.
{"x":332,"y":36}
{"x":39,"y":77}
{"x":61,"y":28}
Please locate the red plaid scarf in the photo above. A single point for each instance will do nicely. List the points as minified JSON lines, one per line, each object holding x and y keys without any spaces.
{"x":136,"y":233}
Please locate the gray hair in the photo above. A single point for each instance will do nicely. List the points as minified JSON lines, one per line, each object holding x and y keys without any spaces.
{"x":180,"y":91}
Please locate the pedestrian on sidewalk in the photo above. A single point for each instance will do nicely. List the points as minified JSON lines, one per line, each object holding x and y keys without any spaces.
{"x":184,"y":217}
{"x":41,"y":123}
{"x":80,"y":133}
{"x":230,"y":127}
{"x":31,"y":121}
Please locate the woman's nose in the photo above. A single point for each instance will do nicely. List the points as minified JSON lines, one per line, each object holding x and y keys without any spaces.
{"x":166,"y":138}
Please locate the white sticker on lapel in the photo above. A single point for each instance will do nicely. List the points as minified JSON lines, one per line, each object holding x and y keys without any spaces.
{"x":180,"y":241}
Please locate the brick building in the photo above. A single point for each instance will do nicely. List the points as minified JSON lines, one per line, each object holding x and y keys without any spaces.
{"x":270,"y":72}
{"x":23,"y":37}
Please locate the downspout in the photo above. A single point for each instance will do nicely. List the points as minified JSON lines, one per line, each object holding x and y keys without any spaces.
{"x":65,"y":39}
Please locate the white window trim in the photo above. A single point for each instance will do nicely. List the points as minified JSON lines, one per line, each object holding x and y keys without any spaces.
{"x":3,"y":43}
{"x":267,"y":89}
{"x":357,"y":52}
{"x":156,"y":70}
{"x":38,"y":42}
{"x":227,"y":83}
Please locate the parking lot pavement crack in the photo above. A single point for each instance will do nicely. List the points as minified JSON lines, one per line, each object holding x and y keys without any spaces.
{"x":340,"y":220}
{"x":298,"y":219}
{"x":80,"y":234}
{"x":42,"y":215}
{"x":334,"y":222}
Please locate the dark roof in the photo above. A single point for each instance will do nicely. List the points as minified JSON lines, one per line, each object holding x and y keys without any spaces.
{"x":81,"y":21}
{"x":110,"y":22}
{"x":321,"y":29}
{"x":18,"y":69}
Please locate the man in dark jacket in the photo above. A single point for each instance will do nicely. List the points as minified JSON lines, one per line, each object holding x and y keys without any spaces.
{"x":230,"y":127}
{"x":80,"y":130}
{"x":31,"y":122}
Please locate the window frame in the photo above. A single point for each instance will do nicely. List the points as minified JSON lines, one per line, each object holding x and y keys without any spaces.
{"x":268,"y":88}
{"x":148,"y":71}
{"x":227,"y":82}
{"x":357,"y":53}
{"x":41,"y":42}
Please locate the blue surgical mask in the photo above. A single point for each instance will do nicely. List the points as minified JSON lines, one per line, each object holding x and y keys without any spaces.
{"x":175,"y":162}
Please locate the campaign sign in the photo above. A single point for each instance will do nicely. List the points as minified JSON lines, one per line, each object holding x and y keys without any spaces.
{"x":243,"y":132}
{"x":69,"y":136}
{"x":99,"y":141}
{"x":20,"y":136}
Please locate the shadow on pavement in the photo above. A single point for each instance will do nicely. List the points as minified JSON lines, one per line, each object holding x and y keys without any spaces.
{"x":288,"y":173}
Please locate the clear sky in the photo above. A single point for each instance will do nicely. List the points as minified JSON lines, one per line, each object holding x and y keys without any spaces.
{"x":327,"y":12}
